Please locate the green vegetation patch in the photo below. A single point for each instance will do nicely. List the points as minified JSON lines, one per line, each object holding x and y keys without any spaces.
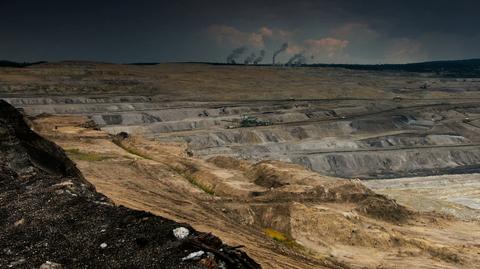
{"x":194,"y":182}
{"x":197,"y":184}
{"x":283,"y":239}
{"x":85,"y":156}
{"x":130,"y":150}
{"x":186,"y":175}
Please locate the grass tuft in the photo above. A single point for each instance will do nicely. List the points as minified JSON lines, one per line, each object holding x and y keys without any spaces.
{"x":85,"y":156}
{"x":193,"y":181}
{"x":130,"y":150}
{"x":197,"y":184}
{"x":190,"y":178}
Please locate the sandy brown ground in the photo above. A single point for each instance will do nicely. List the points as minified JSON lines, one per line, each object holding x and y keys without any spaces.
{"x":203,"y":82}
{"x":284,"y":215}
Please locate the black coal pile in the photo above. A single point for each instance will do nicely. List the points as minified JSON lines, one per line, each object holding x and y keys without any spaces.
{"x":51,"y":217}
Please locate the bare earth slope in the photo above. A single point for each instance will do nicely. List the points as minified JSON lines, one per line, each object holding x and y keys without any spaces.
{"x":48,"y":212}
{"x":168,"y":139}
{"x":285,"y":215}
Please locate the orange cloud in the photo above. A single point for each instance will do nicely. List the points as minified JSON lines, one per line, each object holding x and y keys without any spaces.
{"x":326,"y":46}
{"x":265,"y":31}
{"x":294,"y":49}
{"x":355,"y":30}
{"x":231,"y":36}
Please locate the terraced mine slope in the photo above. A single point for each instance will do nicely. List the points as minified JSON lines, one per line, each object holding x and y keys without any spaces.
{"x":169,"y":139}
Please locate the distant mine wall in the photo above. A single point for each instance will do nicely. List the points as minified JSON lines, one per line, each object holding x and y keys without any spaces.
{"x":392,"y":164}
{"x":348,"y":138}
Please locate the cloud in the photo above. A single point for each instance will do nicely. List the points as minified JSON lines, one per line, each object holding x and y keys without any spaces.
{"x":232,"y":37}
{"x":294,"y":49}
{"x":404,"y":50}
{"x":328,"y":46}
{"x":265,"y":31}
{"x":349,"y":42}
{"x":284,"y":35}
{"x":357,"y":31}
{"x":370,"y":45}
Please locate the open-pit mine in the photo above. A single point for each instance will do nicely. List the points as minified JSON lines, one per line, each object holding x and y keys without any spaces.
{"x":303,"y":167}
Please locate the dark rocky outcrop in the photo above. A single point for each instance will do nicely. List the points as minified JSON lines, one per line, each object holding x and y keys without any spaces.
{"x":49,"y":212}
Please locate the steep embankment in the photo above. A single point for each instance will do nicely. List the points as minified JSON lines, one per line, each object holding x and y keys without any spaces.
{"x":49,"y":212}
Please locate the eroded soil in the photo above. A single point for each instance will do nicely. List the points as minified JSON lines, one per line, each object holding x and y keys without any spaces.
{"x":50,"y":213}
{"x":289,"y":192}
{"x":284,"y":215}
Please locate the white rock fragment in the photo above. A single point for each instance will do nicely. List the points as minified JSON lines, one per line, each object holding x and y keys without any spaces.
{"x":103,"y":245}
{"x":351,"y":215}
{"x":194,"y":255}
{"x":181,"y":232}
{"x":51,"y":265}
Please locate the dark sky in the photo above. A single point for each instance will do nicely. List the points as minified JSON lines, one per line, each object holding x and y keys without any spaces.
{"x":330,"y":31}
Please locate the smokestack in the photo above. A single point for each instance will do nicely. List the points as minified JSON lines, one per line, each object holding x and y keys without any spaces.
{"x":232,"y":58}
{"x":260,"y":57}
{"x":250,"y":58}
{"x":280,"y":50}
{"x":297,"y":59}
